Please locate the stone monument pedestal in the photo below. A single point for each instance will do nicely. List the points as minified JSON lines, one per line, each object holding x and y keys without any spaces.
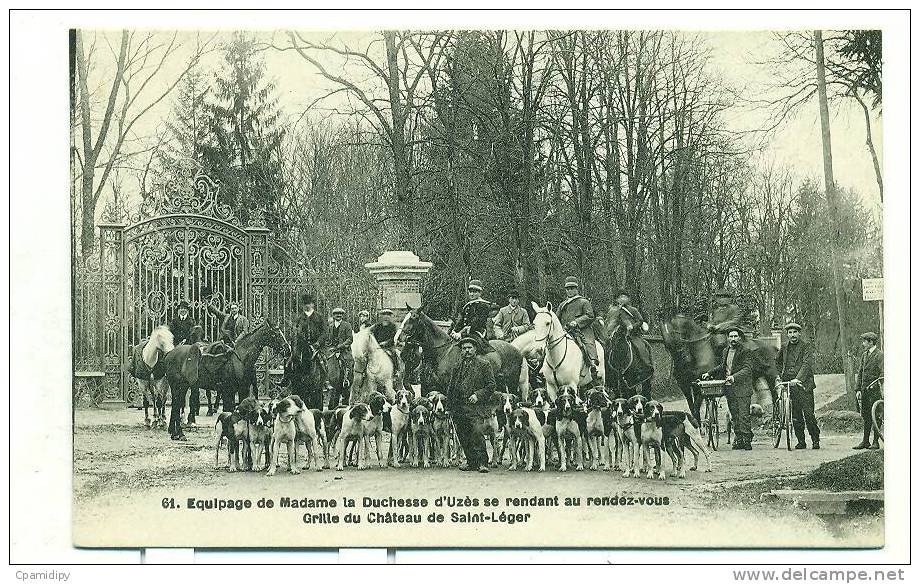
{"x":399,"y":277}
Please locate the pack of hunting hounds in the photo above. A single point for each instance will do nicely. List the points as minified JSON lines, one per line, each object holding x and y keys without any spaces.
{"x":630,"y":435}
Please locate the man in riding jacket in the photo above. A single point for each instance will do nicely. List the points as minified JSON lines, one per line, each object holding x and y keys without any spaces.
{"x":311,"y":325}
{"x":511,"y":320}
{"x":795,"y":362}
{"x":182,"y":324}
{"x":577,"y":315}
{"x":735,"y":369}
{"x":472,"y":393}
{"x":233,"y":324}
{"x":338,"y":342}
{"x":474,"y":318}
{"x":384,"y":331}
{"x":868,"y":388}
{"x":624,"y":302}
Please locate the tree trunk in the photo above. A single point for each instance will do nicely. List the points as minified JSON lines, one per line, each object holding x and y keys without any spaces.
{"x":871,"y":146}
{"x":405,"y":228}
{"x":831,"y":194}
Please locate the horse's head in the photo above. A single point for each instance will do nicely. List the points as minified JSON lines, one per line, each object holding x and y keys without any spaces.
{"x":617,"y":319}
{"x":544,"y":321}
{"x":162,"y":338}
{"x":275,"y":338}
{"x":411,"y":325}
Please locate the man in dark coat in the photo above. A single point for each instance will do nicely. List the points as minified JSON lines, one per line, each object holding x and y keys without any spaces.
{"x":473,"y":319}
{"x":472,"y":394}
{"x":577,"y":315}
{"x":338,"y":342}
{"x":625,"y":303}
{"x":795,"y":362}
{"x":724,"y":315}
{"x":868,"y":386}
{"x":384,"y":331}
{"x":182,"y":324}
{"x":311,"y":325}
{"x":735,"y":369}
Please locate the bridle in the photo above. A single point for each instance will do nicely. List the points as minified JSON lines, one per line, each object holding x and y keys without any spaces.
{"x":550,"y":344}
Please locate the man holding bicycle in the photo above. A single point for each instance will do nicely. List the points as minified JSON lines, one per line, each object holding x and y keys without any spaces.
{"x":868,"y":386}
{"x":795,"y":362}
{"x":735,"y":369}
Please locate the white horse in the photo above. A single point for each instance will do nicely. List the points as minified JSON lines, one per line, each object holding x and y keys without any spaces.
{"x":154,"y":390}
{"x":563,"y":363}
{"x":373,"y":368}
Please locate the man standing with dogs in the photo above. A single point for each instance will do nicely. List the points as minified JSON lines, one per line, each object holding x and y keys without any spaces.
{"x":470,"y":393}
{"x":735,"y":369}
{"x":796,"y":362}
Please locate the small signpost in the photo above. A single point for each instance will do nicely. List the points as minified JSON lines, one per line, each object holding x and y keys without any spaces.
{"x":873,"y":290}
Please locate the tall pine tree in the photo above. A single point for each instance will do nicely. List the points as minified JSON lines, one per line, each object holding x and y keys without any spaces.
{"x":244,"y":122}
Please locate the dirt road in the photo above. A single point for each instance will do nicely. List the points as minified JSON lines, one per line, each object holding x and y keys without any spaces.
{"x":132,"y":487}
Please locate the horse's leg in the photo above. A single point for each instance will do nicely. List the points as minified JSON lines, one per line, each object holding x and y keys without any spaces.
{"x":194,"y":405}
{"x":207,"y":394}
{"x":142,"y":386}
{"x":228,"y":396}
{"x":175,"y":413}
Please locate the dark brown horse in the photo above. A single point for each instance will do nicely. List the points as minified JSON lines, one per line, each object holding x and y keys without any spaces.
{"x":629,"y":356}
{"x":441,"y":353}
{"x":229,"y":373}
{"x":694,"y":352}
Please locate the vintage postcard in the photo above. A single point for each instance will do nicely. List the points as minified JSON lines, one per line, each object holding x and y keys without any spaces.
{"x":477,"y":288}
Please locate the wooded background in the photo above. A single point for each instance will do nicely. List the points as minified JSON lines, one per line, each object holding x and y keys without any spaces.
{"x":514,"y":157}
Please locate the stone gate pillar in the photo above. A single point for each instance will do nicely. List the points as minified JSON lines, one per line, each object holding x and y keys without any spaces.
{"x":399,"y":278}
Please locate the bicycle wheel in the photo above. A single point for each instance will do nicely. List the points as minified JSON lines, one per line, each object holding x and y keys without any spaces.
{"x":729,"y":425}
{"x":715,"y":416}
{"x":787,"y":417}
{"x":878,"y":418}
{"x":709,"y":425}
{"x":778,"y":421}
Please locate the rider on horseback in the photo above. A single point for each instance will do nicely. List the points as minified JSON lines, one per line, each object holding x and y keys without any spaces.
{"x":638,"y":324}
{"x":311,"y":326}
{"x":577,"y":315}
{"x":182,"y":324}
{"x":724,"y":316}
{"x":474,"y":318}
{"x":338,"y":342}
{"x":384,"y":331}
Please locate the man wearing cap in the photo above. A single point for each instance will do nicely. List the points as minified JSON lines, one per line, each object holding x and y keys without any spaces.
{"x":624,"y":302}
{"x":471,"y":395}
{"x":512,"y":319}
{"x":233,"y":324}
{"x":182,"y":324}
{"x":577,"y":315}
{"x":871,"y":369}
{"x":338,"y":342}
{"x":473,"y":318}
{"x":735,"y":369}
{"x":795,"y":362}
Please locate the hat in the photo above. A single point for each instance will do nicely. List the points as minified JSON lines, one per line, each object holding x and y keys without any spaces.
{"x":620,"y":292}
{"x":793,"y":325}
{"x":468,"y":341}
{"x":338,"y":310}
{"x":183,"y":304}
{"x":307,"y":298}
{"x":513,"y":294}
{"x":723,"y":292}
{"x":735,"y":328}
{"x":571,"y":282}
{"x":475,"y":285}
{"x":870,"y":336}
{"x":385,"y":312}
{"x":364,"y":312}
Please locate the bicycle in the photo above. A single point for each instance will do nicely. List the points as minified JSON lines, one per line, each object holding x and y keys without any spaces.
{"x":711,"y":390}
{"x":782,"y":415}
{"x":878,"y":409}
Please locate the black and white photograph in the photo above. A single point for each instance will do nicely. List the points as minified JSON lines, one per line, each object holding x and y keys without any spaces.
{"x":599,"y":286}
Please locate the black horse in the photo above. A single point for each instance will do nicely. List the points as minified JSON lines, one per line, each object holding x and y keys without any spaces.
{"x":305,"y":374}
{"x":229,"y":373}
{"x":628,"y":356}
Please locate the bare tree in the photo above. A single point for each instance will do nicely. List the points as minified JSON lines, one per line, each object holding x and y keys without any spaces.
{"x":135,"y":87}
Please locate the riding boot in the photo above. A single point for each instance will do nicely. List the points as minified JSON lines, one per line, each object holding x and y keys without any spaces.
{"x":595,"y":374}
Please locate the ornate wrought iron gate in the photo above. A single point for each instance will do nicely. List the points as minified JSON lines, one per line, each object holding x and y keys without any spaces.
{"x":185,"y":246}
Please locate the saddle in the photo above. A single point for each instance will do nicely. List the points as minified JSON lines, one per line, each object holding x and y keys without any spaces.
{"x":206,"y":358}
